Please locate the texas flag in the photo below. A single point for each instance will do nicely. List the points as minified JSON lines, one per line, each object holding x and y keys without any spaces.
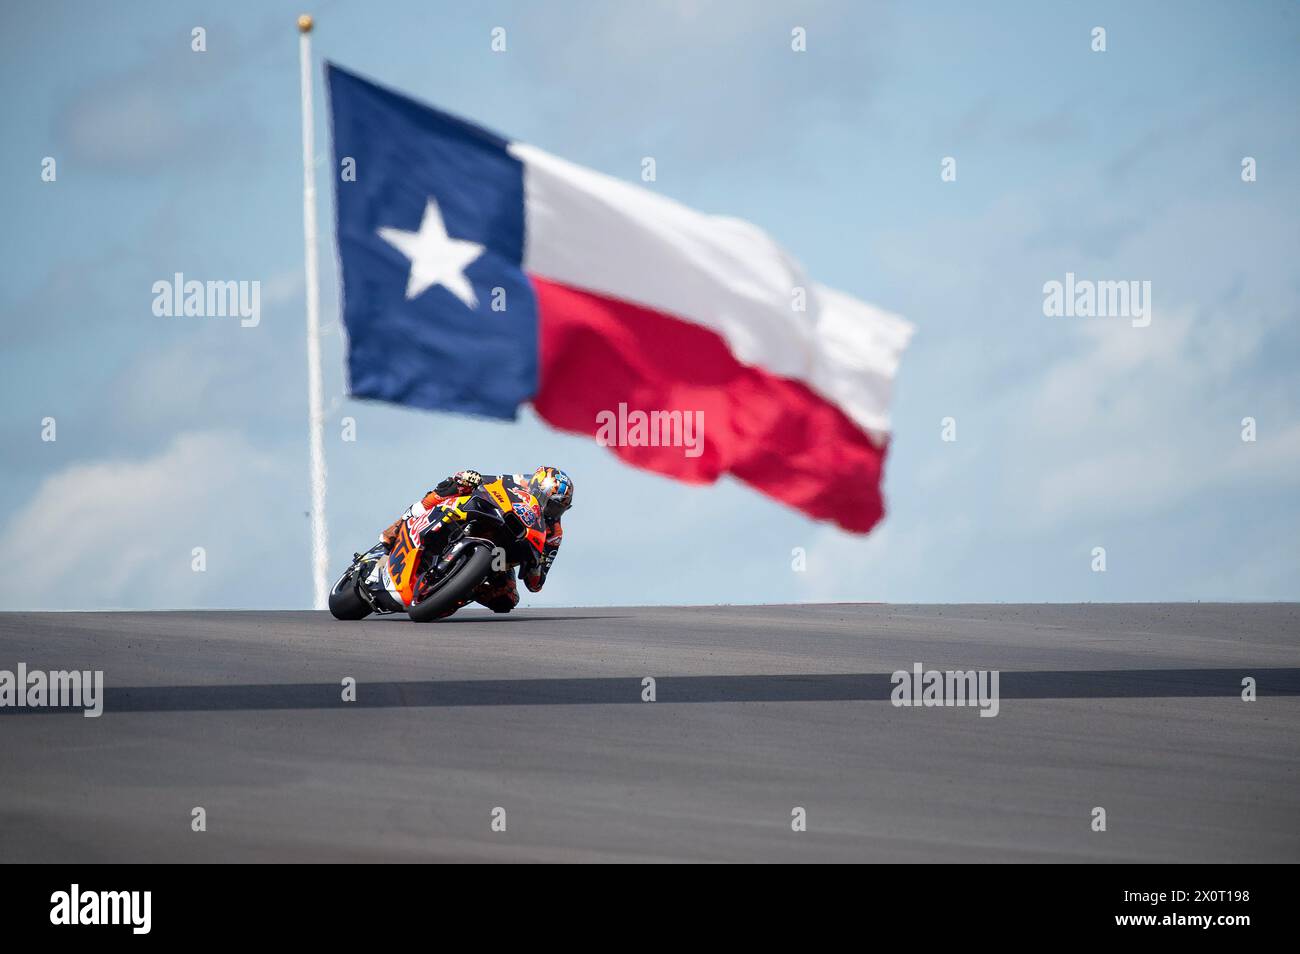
{"x":481,"y":273}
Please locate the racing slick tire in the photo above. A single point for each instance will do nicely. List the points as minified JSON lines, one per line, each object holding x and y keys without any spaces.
{"x":454,"y":588}
{"x":345,"y":601}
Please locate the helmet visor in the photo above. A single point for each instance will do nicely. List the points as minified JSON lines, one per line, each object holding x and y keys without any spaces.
{"x":553,"y":491}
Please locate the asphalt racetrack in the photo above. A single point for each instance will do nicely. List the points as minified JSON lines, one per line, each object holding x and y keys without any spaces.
{"x":758,"y":711}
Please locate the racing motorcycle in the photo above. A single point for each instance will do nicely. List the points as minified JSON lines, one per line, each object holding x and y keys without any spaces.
{"x":440,"y":557}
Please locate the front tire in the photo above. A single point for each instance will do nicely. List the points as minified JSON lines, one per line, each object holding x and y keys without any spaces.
{"x":345,"y":602}
{"x":454,"y":588}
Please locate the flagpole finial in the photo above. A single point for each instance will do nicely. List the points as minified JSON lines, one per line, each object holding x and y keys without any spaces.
{"x":304,"y":23}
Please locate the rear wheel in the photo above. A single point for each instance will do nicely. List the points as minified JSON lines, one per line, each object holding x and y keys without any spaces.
{"x":460,"y":581}
{"x":345,"y":601}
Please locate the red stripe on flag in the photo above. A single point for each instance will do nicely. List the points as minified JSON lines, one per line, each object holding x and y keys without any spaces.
{"x":775,"y":434}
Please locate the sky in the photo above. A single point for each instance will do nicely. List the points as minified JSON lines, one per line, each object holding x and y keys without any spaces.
{"x":1072,"y":434}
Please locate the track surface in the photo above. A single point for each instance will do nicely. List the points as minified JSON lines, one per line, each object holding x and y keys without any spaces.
{"x":1134,"y":708}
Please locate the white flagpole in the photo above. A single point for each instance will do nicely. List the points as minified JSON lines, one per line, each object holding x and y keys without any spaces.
{"x":315,"y":400}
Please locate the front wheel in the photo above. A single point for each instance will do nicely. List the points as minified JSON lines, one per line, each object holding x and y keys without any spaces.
{"x":345,"y":601}
{"x":456,"y":586}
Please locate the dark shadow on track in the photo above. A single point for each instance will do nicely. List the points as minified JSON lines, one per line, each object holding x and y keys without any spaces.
{"x":494,"y":618}
{"x":851,"y":687}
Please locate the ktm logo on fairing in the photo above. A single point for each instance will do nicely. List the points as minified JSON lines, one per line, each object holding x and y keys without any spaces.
{"x":398,"y":556}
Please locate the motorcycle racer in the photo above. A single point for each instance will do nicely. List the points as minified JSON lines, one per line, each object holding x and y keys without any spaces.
{"x":554,"y":492}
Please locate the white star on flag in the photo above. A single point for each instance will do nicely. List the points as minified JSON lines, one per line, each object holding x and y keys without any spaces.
{"x":436,"y":257}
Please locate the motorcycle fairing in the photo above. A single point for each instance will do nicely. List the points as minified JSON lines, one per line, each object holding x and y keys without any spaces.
{"x":402,"y":570}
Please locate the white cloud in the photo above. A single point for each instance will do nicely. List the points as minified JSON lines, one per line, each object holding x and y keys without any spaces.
{"x":1143,"y":418}
{"x":121,"y":532}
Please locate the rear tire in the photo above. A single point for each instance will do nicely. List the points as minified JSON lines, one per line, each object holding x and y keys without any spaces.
{"x":345,"y":602}
{"x":455,"y":587}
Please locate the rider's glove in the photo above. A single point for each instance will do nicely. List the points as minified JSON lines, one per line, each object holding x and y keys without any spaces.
{"x":468,"y":478}
{"x":533,"y":578}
